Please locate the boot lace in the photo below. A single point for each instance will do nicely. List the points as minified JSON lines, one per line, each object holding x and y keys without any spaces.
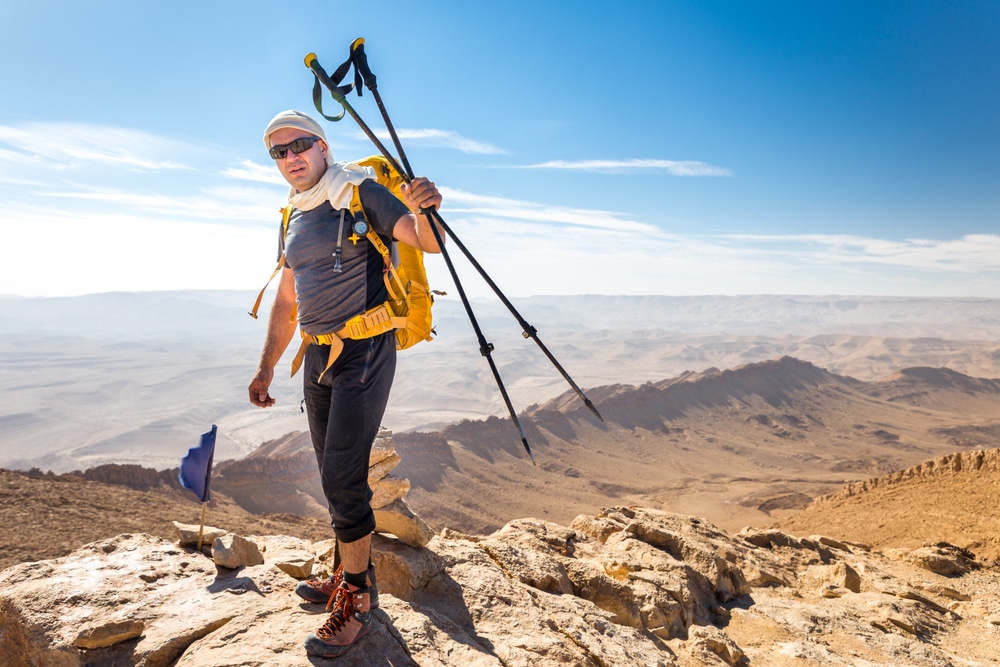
{"x":343,"y":609}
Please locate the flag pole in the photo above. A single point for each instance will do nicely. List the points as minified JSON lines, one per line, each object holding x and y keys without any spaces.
{"x":201,"y":528}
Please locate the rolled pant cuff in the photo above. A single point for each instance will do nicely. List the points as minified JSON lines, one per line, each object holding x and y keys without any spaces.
{"x":355,"y":533}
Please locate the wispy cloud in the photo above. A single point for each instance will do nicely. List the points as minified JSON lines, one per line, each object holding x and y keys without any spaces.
{"x":220,"y":205}
{"x":70,"y":145}
{"x":465,"y":203}
{"x":529,"y":248}
{"x":248,"y":170}
{"x":672,"y":167}
{"x":442,"y":139}
{"x":967,"y":254}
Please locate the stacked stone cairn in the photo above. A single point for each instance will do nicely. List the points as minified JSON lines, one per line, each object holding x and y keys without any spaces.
{"x":392,"y":516}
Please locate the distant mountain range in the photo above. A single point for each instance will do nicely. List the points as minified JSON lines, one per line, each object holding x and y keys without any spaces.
{"x":134,"y":378}
{"x":744,"y":446}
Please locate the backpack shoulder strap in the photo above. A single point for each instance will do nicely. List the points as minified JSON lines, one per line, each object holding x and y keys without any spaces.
{"x":285,"y":215}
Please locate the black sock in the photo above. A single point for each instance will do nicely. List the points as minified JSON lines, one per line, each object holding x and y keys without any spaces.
{"x":359,"y":580}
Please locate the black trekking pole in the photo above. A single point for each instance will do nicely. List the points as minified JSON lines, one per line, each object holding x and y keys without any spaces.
{"x":363,"y":73}
{"x":485,"y":347}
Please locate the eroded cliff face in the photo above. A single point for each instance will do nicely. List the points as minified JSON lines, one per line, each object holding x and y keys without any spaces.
{"x":979,"y":460}
{"x":627,"y":586}
{"x":952,"y":498}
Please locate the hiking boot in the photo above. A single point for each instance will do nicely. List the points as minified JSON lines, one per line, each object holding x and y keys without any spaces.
{"x":350,"y":621}
{"x":323,"y":590}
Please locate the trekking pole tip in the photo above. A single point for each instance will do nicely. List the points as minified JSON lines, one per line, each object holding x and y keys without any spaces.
{"x":531,"y":456}
{"x":594,"y":409}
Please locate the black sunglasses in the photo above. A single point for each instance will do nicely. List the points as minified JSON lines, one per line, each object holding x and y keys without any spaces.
{"x":300,"y":145}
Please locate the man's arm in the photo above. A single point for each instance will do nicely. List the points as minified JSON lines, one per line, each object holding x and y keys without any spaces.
{"x":280,"y":329}
{"x":415,"y":229}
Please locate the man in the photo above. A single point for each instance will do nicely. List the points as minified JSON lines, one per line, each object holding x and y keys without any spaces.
{"x":330,"y":277}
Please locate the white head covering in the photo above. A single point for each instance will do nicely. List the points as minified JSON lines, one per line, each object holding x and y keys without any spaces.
{"x":296,"y":119}
{"x":336,"y":185}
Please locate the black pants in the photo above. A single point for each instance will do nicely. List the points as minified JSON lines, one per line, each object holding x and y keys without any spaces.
{"x":345,"y":410}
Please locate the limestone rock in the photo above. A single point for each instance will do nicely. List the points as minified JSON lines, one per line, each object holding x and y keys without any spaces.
{"x":830,"y":542}
{"x":943,"y":558}
{"x":397,"y":519}
{"x":297,"y":568}
{"x":388,"y":489}
{"x":235,"y":551}
{"x":326,"y":552}
{"x":845,"y":576}
{"x":529,"y":566}
{"x":108,"y":634}
{"x":903,"y":623}
{"x":710,"y":641}
{"x":187,"y":534}
{"x":946,"y":592}
{"x":382,"y":447}
{"x":770,"y":539}
{"x":381,"y":468}
{"x":759,"y":577}
{"x":910,"y":594}
{"x":833,"y":591}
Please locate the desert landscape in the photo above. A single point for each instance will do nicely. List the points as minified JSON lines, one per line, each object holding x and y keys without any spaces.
{"x":801,"y":439}
{"x":140,"y":375}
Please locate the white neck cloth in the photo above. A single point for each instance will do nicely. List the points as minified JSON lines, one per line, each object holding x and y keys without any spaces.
{"x":336,"y":186}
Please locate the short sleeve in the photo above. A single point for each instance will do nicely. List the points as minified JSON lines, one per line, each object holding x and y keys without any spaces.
{"x":382,"y":207}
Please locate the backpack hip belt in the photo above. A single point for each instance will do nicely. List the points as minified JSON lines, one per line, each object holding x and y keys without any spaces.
{"x":368,"y":324}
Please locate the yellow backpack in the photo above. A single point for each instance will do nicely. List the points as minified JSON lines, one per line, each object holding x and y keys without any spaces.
{"x":408,"y":309}
{"x":410,"y":295}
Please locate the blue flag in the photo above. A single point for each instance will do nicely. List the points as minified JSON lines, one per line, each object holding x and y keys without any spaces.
{"x":196,"y":466}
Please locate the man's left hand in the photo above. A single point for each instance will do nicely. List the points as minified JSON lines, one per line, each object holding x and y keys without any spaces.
{"x":421,"y":193}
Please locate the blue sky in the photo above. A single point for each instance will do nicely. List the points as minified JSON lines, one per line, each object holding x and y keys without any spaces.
{"x":654,"y":147}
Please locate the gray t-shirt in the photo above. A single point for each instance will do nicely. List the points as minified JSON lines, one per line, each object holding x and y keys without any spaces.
{"x":328,"y":298}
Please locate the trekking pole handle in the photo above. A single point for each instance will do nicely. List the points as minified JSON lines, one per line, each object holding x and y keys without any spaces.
{"x":313,"y":63}
{"x":361,"y":63}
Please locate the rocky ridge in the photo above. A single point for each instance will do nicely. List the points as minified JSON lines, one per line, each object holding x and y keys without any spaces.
{"x":627,"y":586}
{"x":980,"y":460}
{"x":952,"y":497}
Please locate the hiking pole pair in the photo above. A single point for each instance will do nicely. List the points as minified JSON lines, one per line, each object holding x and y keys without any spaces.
{"x":362,"y":71}
{"x":485,"y":347}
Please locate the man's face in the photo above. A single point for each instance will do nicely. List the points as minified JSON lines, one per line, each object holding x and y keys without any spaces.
{"x":302,"y":170}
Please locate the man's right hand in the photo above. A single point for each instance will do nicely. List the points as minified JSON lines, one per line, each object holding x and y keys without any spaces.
{"x":258,"y":388}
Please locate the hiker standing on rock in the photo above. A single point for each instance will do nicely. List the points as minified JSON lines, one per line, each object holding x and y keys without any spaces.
{"x":329,"y":281}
